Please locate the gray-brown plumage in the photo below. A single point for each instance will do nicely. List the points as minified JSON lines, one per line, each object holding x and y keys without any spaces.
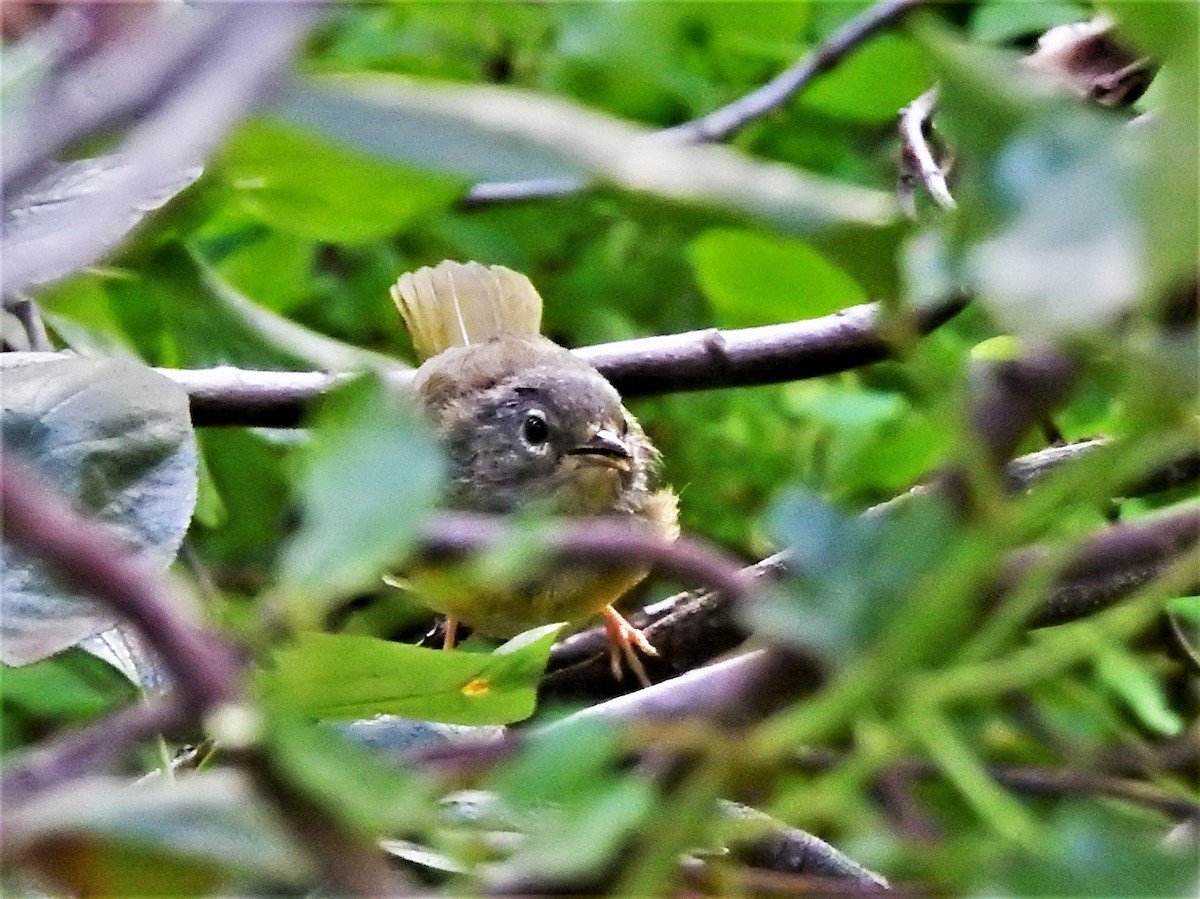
{"x":526,"y":423}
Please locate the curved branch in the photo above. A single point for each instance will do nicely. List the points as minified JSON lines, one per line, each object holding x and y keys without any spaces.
{"x":918,"y":162}
{"x":206,"y":673}
{"x":1113,"y":563}
{"x":99,"y":565}
{"x":723,"y":122}
{"x":696,"y":360}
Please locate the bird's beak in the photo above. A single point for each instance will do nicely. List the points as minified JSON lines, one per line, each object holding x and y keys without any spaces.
{"x":605,"y":447}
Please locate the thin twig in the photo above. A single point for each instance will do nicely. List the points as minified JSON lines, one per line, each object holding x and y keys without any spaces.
{"x":918,"y":159}
{"x":777,"y":847}
{"x":598,"y":540}
{"x":27,"y":313}
{"x":723,"y":122}
{"x":1111,"y":564}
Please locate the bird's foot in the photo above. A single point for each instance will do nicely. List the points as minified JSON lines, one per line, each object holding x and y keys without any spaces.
{"x":624,"y":642}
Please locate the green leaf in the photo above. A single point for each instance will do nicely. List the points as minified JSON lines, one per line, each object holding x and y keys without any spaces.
{"x":1168,"y":195}
{"x":116,"y":439}
{"x":177,"y":311}
{"x":272,"y":268}
{"x":373,"y":471}
{"x":757,"y":279}
{"x":72,"y":685}
{"x":1127,"y":678}
{"x":306,"y":186}
{"x":339,"y":677}
{"x":873,"y":82}
{"x":1049,"y":233}
{"x":189,"y":833}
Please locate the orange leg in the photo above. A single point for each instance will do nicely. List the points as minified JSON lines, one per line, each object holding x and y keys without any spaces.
{"x":451,"y":633}
{"x":623,"y":640}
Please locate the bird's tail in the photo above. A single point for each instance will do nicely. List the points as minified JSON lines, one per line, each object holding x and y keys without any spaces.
{"x":464,"y":303}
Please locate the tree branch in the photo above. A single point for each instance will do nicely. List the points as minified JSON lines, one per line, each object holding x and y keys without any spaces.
{"x":723,"y":122}
{"x":1035,"y":780}
{"x":695,"y":360}
{"x":693,"y":628}
{"x":1110,"y":565}
{"x":598,"y":540}
{"x":917,"y":159}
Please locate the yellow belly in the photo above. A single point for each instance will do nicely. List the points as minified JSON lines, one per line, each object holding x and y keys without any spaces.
{"x":573,"y":591}
{"x":566,"y":593}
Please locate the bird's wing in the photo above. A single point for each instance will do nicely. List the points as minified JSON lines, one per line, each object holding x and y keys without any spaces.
{"x":465,"y":303}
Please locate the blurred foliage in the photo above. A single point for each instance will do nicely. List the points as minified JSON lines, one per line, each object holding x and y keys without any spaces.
{"x":1071,"y":226}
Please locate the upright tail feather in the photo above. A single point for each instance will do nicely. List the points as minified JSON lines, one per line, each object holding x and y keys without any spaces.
{"x":463,"y":303}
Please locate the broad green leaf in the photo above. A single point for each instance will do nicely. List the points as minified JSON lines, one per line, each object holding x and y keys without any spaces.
{"x":272,"y":268}
{"x":339,"y":677}
{"x":1136,"y":686}
{"x":354,"y":784}
{"x":453,"y":127}
{"x":1168,"y":193}
{"x":116,"y":439}
{"x":246,"y":469}
{"x":757,"y":279}
{"x":303,"y":185}
{"x":874,"y":82}
{"x":194,"y":832}
{"x":373,"y":471}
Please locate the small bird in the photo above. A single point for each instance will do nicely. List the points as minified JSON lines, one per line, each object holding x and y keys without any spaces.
{"x":526,"y":424}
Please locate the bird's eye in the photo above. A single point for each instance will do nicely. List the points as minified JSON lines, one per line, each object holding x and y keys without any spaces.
{"x":535,"y":429}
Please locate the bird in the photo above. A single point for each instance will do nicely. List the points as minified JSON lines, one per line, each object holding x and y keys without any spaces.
{"x":526,"y":425}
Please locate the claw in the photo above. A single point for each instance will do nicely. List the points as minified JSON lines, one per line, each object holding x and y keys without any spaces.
{"x":623,"y":639}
